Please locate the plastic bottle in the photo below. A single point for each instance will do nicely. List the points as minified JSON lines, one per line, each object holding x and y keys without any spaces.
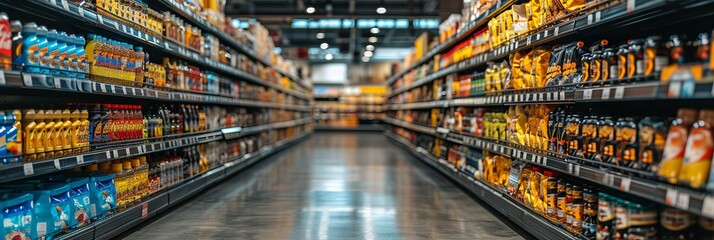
{"x":39,"y":135}
{"x":58,"y":133}
{"x":698,"y":156}
{"x":70,"y":62}
{"x":14,"y":135}
{"x":75,"y":137}
{"x":136,"y":179}
{"x":4,"y":124}
{"x":120,"y":183}
{"x":84,"y":130}
{"x":28,"y":148}
{"x":47,"y":62}
{"x":5,"y":42}
{"x":63,"y":52}
{"x":17,"y":40}
{"x":675,"y":145}
{"x":67,"y":132}
{"x":33,"y":36}
{"x":82,"y":60}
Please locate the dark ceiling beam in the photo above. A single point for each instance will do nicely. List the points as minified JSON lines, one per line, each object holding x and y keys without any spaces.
{"x":274,"y":16}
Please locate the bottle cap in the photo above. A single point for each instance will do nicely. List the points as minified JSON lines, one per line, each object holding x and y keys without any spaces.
{"x":92,"y":168}
{"x":126,"y":164}
{"x":116,"y":167}
{"x":135,"y":162}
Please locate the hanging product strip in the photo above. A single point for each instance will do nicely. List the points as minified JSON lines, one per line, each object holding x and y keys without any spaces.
{"x":114,"y":224}
{"x":91,"y":19}
{"x":203,"y":24}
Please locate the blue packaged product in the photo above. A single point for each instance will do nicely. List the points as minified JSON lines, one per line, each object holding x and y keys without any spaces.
{"x":81,"y":200}
{"x":103,"y":195}
{"x":48,"y":50}
{"x":51,"y":208}
{"x":62,"y":54}
{"x":32,"y":37}
{"x":16,"y":213}
{"x":3,"y":140}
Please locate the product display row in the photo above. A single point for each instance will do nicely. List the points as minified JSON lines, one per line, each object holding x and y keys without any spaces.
{"x":52,"y":205}
{"x":348,"y":107}
{"x":583,"y":209}
{"x":522,"y":97}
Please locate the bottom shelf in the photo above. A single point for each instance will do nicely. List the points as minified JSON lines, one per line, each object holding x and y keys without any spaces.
{"x":120,"y":222}
{"x":525,"y":218}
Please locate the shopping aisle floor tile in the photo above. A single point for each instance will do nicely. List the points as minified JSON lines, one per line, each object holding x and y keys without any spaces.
{"x":332,"y":186}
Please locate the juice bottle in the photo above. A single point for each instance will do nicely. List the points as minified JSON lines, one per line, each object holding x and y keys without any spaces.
{"x":49,"y":55}
{"x":119,"y":182}
{"x":139,"y":66}
{"x":70,"y":62}
{"x":84,"y":132}
{"x":143,"y":177}
{"x":14,"y":135}
{"x":82,"y":60}
{"x":63,"y":54}
{"x":136,"y":178}
{"x":41,"y":128}
{"x":67,"y":131}
{"x":17,"y":40}
{"x":29,"y":135}
{"x":33,"y":36}
{"x":5,"y":42}
{"x":698,"y":157}
{"x":58,"y":133}
{"x":75,"y":137}
{"x":674,"y":147}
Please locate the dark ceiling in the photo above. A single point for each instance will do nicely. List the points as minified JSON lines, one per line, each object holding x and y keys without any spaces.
{"x":277,"y":15}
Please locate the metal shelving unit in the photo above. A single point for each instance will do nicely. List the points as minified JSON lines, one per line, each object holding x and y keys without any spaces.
{"x":693,"y":201}
{"x":119,"y":222}
{"x":516,"y":212}
{"x":91,"y":19}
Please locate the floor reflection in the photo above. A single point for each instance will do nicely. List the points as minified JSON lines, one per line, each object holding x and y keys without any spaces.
{"x":332,"y":186}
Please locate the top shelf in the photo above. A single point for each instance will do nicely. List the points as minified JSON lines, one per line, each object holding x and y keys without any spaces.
{"x":500,"y":7}
{"x":206,"y":26}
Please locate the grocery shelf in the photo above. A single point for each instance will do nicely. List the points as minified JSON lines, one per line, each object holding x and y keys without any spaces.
{"x":125,"y":150}
{"x":225,"y":38}
{"x":632,"y":182}
{"x":516,"y":212}
{"x":14,"y":81}
{"x":501,"y":6}
{"x":609,"y":91}
{"x":601,"y":19}
{"x":117,"y":223}
{"x":90,"y":18}
{"x":361,"y":127}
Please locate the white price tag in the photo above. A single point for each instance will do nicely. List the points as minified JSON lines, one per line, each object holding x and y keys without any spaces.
{"x":619,"y":92}
{"x":625,"y":184}
{"x":116,"y":153}
{"x":597,"y":16}
{"x":113,"y":88}
{"x":116,"y":25}
{"x":537,"y":36}
{"x":141,"y":91}
{"x":675,"y":87}
{"x":80,"y":159}
{"x":58,"y":83}
{"x":516,"y":45}
{"x":81,"y":11}
{"x":556,"y":31}
{"x":683,"y":201}
{"x":57,"y":164}
{"x":65,"y":5}
{"x":708,"y":206}
{"x":109,"y":155}
{"x":102,"y":87}
{"x":605,"y":94}
{"x":590,"y":19}
{"x":670,"y":198}
{"x":143,"y":148}
{"x":123,"y":28}
{"x":528,"y":40}
{"x":100,"y":19}
{"x":123,"y":89}
{"x":540,"y":97}
{"x":28,"y":168}
{"x":562,"y":95}
{"x":630,"y":5}
{"x":133,"y":91}
{"x":576,"y":170}
{"x":544,"y":161}
{"x":128,"y":151}
{"x":587,"y":94}
{"x":545,"y":33}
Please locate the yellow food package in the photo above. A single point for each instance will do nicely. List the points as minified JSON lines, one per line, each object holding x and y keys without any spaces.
{"x":540,"y":65}
{"x":522,"y":184}
{"x":511,"y":125}
{"x":537,"y":13}
{"x":521,"y":125}
{"x":572,"y":5}
{"x":508,"y":24}
{"x":527,"y":69}
{"x":517,"y":80}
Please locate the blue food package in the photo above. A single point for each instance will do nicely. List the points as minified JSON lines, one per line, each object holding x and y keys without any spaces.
{"x":103,"y":195}
{"x":52,"y":210}
{"x":16,"y":213}
{"x":81,"y":199}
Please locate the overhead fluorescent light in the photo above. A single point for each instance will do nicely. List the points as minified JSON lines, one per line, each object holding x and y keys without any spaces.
{"x":368,"y":54}
{"x":381,"y":10}
{"x":374,"y":30}
{"x":310,"y":10}
{"x":320,"y":35}
{"x":324,"y":46}
{"x":373,"y":39}
{"x":328,"y":56}
{"x":370,"y":47}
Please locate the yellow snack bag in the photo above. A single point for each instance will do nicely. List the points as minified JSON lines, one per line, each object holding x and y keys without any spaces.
{"x":540,"y":65}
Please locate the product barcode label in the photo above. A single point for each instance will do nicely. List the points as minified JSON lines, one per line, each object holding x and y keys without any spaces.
{"x":57,"y":164}
{"x":683,"y":201}
{"x":81,"y":11}
{"x":58,"y":83}
{"x":128,"y":151}
{"x":605,"y":94}
{"x":65,"y":5}
{"x":108,"y":154}
{"x":587,"y":94}
{"x":625,"y":184}
{"x":670,"y":197}
{"x":619,"y":92}
{"x":708,"y":206}
{"x":80,"y":159}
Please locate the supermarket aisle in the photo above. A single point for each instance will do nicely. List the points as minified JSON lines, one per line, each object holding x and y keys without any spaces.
{"x":332,"y":186}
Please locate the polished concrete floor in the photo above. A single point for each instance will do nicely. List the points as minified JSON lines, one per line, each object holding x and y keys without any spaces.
{"x":332,"y":186}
